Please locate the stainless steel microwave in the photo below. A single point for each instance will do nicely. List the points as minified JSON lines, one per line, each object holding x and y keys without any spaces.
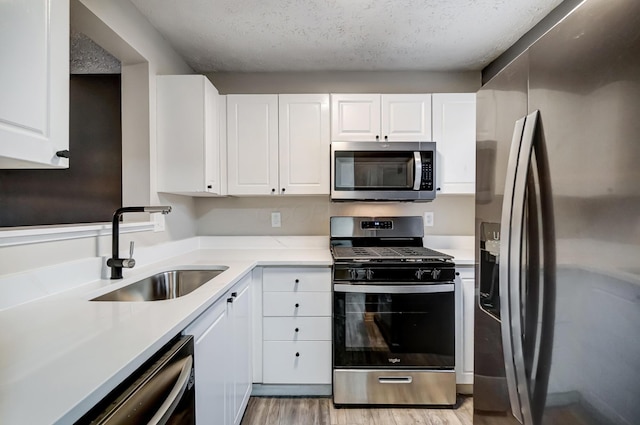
{"x":383,"y":171}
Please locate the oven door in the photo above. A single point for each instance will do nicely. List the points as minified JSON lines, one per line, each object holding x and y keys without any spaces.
{"x":394,"y":326}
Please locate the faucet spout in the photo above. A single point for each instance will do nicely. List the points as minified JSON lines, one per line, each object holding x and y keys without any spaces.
{"x":116,"y":263}
{"x":162,"y":209}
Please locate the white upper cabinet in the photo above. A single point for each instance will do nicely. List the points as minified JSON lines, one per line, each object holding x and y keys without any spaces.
{"x":304,"y":144}
{"x":278,"y":144}
{"x":387,"y":117}
{"x":34,"y":82}
{"x":454,"y":131}
{"x":355,"y":117}
{"x":191,"y":154}
{"x":252,"y":144}
{"x":406,"y":117}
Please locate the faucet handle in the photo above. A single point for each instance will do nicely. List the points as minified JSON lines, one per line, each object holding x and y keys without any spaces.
{"x":129,"y":263}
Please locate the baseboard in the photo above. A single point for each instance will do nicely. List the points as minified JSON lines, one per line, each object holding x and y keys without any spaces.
{"x":466,"y":389}
{"x":291,"y":390}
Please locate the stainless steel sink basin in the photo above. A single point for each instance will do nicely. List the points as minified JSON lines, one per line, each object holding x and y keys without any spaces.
{"x":163,"y":286}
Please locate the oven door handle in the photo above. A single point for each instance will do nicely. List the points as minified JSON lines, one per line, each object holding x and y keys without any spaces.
{"x":395,"y":289}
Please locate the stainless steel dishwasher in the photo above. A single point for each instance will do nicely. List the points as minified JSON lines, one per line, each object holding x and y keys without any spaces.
{"x":160,"y":392}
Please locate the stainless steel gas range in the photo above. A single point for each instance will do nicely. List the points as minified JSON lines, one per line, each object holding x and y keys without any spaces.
{"x":393,"y":314}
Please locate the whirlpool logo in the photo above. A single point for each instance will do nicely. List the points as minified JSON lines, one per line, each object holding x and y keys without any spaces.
{"x":394,"y":360}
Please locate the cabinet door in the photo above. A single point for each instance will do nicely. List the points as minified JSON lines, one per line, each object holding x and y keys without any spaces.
{"x":355,"y":117}
{"x":252,"y":144}
{"x":465,"y":287}
{"x":241,"y":349}
{"x":212,"y":338}
{"x":454,"y":131}
{"x":406,"y":117}
{"x":188,"y":135}
{"x":34,"y":82}
{"x":304,"y":144}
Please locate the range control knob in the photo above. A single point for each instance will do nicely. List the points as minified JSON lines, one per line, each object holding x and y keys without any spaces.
{"x":435,"y":273}
{"x":352,"y":274}
{"x":419,"y":274}
{"x":369,"y":274}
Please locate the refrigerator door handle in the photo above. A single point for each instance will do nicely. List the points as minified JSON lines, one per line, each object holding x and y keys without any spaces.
{"x":516,"y":242}
{"x":505,"y":252}
{"x":546,"y":320}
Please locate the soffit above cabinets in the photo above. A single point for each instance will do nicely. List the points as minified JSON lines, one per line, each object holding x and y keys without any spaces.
{"x":342,"y":35}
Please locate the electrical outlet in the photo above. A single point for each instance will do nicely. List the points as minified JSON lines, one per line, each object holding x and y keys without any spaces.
{"x":158,"y":222}
{"x":428,"y":219}
{"x":275,"y":219}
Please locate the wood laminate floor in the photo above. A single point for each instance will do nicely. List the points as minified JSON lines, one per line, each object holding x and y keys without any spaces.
{"x":320,"y":411}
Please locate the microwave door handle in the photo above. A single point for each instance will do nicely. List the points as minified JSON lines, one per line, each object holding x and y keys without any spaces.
{"x":417,"y":175}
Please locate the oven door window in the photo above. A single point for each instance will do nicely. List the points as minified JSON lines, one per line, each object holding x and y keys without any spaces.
{"x":394,"y":330}
{"x":374,"y":170}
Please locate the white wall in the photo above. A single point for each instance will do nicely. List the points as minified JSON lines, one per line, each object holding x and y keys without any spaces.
{"x":346,"y":82}
{"x":119,"y":27}
{"x":453,"y":215}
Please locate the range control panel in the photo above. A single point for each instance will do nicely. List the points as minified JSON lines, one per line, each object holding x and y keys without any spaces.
{"x":375,"y":224}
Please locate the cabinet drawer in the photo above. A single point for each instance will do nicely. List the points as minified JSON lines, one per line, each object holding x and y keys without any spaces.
{"x":296,"y":304}
{"x":303,"y":279}
{"x":466,"y":272}
{"x":297,"y":329}
{"x":312,"y":365}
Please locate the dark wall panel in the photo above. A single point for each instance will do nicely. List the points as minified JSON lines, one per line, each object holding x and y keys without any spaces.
{"x":90,"y":190}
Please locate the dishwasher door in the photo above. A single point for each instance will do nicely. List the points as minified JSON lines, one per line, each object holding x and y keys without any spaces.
{"x":160,"y":392}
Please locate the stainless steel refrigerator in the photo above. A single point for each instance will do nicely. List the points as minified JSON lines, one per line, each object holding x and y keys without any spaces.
{"x":557,"y":320}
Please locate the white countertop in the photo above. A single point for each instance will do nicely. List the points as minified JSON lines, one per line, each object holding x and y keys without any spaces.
{"x":61,"y":354}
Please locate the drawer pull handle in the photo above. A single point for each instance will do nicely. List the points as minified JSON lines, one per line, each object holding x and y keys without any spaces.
{"x":297,"y":305}
{"x":297,"y":354}
{"x":395,"y":379}
{"x":297,"y":330}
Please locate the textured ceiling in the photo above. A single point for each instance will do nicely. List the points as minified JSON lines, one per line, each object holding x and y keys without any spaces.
{"x":342,"y":35}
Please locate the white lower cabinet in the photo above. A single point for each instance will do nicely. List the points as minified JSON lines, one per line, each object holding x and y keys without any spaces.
{"x":465,"y":302}
{"x":222,"y":357}
{"x":296,"y":309}
{"x":297,"y":328}
{"x":297,"y":362}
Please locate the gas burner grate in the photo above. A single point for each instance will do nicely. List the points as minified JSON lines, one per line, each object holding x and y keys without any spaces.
{"x":387,"y":253}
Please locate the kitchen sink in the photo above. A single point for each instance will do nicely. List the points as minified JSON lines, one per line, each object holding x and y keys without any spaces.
{"x":163,"y":286}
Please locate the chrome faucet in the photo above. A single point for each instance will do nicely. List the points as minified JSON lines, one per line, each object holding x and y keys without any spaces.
{"x":117,"y":264}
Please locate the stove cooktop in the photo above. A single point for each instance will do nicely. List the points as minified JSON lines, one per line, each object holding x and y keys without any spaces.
{"x":411,"y":253}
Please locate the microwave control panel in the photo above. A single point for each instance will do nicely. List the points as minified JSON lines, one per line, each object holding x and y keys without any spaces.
{"x":426,"y":182}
